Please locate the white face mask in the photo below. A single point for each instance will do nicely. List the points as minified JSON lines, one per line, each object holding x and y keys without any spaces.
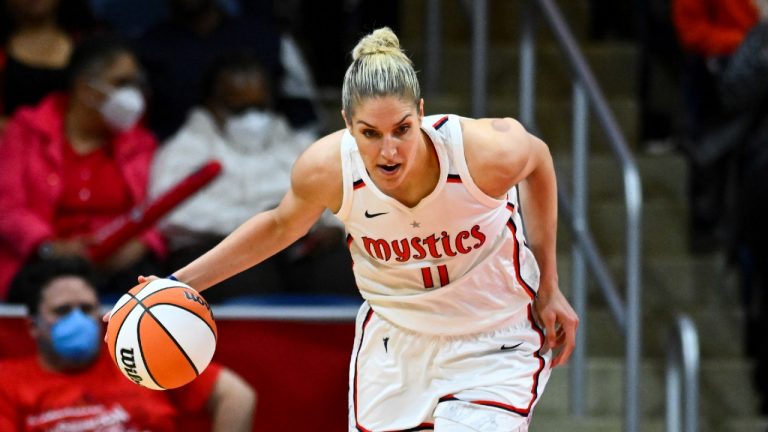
{"x":123,"y":108}
{"x":250,"y":131}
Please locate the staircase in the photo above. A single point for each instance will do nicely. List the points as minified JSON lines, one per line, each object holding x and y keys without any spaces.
{"x":673,"y":280}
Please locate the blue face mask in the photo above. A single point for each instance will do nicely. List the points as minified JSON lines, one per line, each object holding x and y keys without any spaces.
{"x":75,"y":337}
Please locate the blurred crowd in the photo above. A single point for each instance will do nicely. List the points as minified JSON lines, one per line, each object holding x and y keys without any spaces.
{"x":107,"y":105}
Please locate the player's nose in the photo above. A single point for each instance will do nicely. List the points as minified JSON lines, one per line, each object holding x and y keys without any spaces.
{"x":389,"y":148}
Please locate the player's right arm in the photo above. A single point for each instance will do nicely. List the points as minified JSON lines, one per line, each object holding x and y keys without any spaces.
{"x":316,"y":184}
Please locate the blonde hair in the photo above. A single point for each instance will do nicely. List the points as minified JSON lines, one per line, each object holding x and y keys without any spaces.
{"x":379,"y":68}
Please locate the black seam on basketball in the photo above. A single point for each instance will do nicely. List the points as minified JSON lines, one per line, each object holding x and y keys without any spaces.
{"x":181,"y":349}
{"x":190,"y":311}
{"x":138,"y":334}
{"x":146,"y":310}
{"x":141,"y":347}
{"x":138,"y":337}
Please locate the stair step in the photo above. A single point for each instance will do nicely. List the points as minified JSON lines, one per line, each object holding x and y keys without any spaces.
{"x":544,"y":423}
{"x":726,"y":388}
{"x":663,"y":177}
{"x":686,"y":282}
{"x":716,"y":341}
{"x":664,"y":229}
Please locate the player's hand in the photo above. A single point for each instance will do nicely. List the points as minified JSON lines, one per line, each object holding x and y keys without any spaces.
{"x":141,"y":280}
{"x":560,"y":322}
{"x":108,"y":315}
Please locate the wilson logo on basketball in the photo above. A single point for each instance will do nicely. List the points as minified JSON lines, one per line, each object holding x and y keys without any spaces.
{"x":433,"y":245}
{"x":129,"y":364}
{"x":197,"y":299}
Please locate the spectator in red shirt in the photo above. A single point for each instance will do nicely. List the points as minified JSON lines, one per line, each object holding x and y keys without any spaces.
{"x":710,"y":31}
{"x":75,"y":162}
{"x":72,"y":384}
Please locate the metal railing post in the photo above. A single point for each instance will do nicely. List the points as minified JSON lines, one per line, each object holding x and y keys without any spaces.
{"x":432,"y":48}
{"x":682,"y":377}
{"x":528,"y":65}
{"x":479,"y":58}
{"x":578,"y":268}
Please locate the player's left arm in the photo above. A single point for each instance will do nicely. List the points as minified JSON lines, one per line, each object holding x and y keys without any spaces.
{"x":501,"y":154}
{"x":232,"y":403}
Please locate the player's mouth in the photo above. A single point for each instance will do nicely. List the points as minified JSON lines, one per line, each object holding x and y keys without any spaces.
{"x":389,"y":169}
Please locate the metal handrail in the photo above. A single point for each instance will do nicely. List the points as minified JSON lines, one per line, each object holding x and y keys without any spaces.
{"x":682,"y":362}
{"x":586,"y":95}
{"x":586,"y":89}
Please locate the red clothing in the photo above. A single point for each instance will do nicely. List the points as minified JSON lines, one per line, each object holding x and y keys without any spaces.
{"x":100,"y":398}
{"x":713,"y":27}
{"x":93,"y":192}
{"x":33,"y":171}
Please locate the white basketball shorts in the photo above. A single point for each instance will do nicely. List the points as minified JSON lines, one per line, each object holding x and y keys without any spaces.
{"x":401,"y":380}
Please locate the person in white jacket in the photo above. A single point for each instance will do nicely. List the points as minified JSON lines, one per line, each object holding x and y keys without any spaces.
{"x":256,"y":147}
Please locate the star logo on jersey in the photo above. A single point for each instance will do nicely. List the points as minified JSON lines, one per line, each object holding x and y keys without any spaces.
{"x":415,"y":224}
{"x":373,"y":215}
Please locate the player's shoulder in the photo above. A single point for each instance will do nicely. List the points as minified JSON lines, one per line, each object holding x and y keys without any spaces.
{"x":494,"y":130}
{"x":494,"y":140}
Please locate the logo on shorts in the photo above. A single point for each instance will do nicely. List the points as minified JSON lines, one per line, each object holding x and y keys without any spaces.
{"x":505,"y":347}
{"x":373,"y":215}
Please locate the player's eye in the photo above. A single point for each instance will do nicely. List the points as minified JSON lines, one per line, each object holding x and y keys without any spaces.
{"x":402,"y":130}
{"x":370,"y":133}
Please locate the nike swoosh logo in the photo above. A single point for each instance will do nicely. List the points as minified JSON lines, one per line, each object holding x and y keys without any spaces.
{"x":373,"y":215}
{"x":505,"y":347}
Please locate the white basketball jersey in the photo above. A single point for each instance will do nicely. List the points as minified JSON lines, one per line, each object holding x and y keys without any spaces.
{"x":455,"y":263}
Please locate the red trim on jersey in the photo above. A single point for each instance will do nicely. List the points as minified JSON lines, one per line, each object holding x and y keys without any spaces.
{"x":537,"y":329}
{"x":358,"y":184}
{"x":426,"y":274}
{"x":421,"y":427}
{"x":362,"y":338}
{"x":349,"y":240}
{"x":454,"y":178}
{"x":442,"y":271}
{"x":438,"y":124}
{"x":516,"y":257}
{"x":511,"y":207}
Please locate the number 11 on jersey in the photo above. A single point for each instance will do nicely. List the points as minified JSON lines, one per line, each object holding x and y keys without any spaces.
{"x":442,"y":273}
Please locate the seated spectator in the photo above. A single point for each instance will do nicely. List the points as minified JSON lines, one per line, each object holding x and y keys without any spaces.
{"x":237,"y":126}
{"x":72,"y":384}
{"x":177,"y":51}
{"x":37,"y":40}
{"x":75,"y":162}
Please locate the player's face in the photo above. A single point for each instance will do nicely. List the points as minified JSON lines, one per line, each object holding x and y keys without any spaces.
{"x":388,"y":135}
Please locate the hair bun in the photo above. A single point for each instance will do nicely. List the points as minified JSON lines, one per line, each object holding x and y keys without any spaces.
{"x":381,"y":41}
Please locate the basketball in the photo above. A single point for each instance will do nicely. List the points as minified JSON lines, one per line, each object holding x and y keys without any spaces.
{"x":161,"y":334}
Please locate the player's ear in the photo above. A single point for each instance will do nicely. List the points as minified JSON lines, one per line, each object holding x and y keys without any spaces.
{"x":346,"y":120}
{"x":421,"y":107}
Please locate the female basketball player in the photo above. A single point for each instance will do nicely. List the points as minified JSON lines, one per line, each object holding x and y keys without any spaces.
{"x":447,"y":337}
